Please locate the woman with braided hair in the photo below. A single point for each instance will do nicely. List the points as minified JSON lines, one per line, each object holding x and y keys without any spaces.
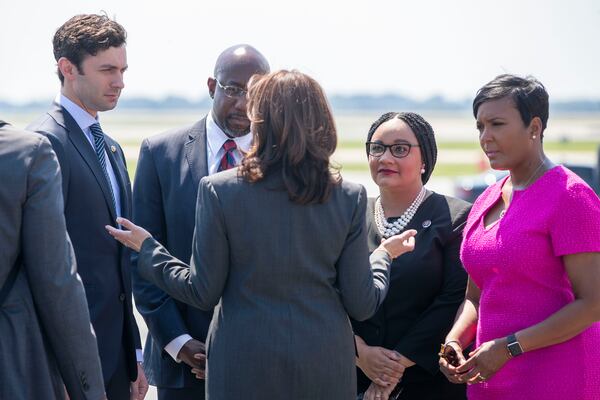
{"x":397,"y":347}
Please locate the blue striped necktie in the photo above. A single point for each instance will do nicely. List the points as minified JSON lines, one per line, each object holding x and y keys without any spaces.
{"x":99,"y":148}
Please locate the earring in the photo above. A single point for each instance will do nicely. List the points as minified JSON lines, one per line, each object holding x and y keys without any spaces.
{"x":422,"y":170}
{"x":533,"y":137}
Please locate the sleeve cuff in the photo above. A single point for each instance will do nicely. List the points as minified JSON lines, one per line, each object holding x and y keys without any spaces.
{"x":139,"y":355}
{"x":175,"y":345}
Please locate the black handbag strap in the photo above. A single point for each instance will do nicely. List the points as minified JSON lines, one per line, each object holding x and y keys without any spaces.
{"x":10,"y":280}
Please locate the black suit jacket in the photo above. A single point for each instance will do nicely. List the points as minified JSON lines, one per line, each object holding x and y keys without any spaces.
{"x":169,"y":169}
{"x":427,"y":286}
{"x":103,"y":264}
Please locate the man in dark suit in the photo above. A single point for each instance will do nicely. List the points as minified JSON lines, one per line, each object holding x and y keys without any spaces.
{"x":46,"y":336}
{"x":169,"y":169}
{"x":91,"y":57}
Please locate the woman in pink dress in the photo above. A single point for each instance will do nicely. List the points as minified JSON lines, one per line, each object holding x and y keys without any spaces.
{"x":532,"y":250}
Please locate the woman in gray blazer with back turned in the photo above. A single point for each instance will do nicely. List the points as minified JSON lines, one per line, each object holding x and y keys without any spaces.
{"x":281,"y":246}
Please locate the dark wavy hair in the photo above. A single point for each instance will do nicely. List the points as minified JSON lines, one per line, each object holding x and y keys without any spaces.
{"x":86,"y":34}
{"x":293,"y":135}
{"x":528,"y":94}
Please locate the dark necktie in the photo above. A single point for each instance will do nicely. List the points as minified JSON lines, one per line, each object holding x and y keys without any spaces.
{"x":228,"y":160}
{"x":99,"y":148}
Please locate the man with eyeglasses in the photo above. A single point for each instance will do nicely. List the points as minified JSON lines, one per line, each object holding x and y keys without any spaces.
{"x":169,"y":169}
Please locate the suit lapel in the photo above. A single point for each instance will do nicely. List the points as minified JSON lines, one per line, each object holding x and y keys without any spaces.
{"x":83,"y":146}
{"x":195,"y":151}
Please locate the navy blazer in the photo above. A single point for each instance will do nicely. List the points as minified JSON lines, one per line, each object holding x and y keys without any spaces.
{"x":169,"y":169}
{"x":103,"y":264}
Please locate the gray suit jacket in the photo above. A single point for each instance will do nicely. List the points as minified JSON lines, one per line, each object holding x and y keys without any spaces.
{"x":45,"y":333}
{"x":285,"y":277}
{"x":164,"y":202}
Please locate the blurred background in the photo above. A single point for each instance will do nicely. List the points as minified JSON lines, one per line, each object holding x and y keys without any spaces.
{"x":429,"y":56}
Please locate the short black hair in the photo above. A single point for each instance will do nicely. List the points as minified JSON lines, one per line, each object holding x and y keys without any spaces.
{"x":528,"y":94}
{"x":86,"y":34}
{"x":423,"y":132}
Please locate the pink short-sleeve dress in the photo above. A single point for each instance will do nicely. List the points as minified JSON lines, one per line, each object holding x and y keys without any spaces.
{"x":517,"y":263}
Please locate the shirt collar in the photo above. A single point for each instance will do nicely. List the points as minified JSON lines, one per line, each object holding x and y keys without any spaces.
{"x":215,"y":137}
{"x":82,"y":117}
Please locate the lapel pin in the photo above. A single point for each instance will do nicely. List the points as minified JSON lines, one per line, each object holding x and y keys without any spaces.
{"x":426,"y":223}
{"x":113,"y":149}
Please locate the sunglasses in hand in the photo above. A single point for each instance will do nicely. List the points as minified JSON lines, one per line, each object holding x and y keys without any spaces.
{"x":449,"y":354}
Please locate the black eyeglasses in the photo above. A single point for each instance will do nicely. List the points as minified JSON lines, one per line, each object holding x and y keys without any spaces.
{"x":398,"y":150}
{"x":232,"y":91}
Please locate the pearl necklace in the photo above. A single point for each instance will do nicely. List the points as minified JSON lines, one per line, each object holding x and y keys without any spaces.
{"x":389,"y":229}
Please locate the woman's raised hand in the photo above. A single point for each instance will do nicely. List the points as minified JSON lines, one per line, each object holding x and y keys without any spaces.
{"x":133,"y":237}
{"x":397,"y":245}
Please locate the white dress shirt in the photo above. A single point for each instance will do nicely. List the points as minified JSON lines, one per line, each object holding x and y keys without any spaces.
{"x":84,"y":120}
{"x":215,"y":138}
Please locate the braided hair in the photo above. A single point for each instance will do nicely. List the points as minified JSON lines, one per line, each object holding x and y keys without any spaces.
{"x":423,"y":132}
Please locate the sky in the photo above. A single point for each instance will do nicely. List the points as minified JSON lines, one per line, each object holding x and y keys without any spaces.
{"x":417,"y":48}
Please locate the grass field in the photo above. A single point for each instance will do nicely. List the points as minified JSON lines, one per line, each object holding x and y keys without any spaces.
{"x":570,"y":146}
{"x":569,"y":137}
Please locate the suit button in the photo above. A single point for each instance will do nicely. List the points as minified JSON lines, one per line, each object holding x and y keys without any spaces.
{"x":122,"y":297}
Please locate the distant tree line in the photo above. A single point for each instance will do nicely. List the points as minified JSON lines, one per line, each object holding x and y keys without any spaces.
{"x":338,"y":103}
